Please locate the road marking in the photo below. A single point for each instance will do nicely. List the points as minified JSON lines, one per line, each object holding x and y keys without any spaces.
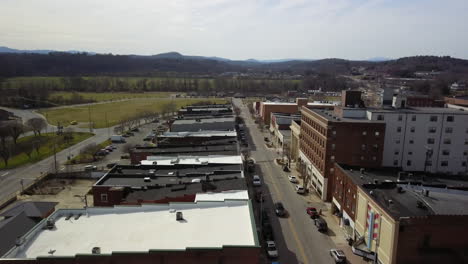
{"x":5,"y":174}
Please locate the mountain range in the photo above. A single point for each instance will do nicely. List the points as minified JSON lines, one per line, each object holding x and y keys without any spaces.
{"x":177,"y":55}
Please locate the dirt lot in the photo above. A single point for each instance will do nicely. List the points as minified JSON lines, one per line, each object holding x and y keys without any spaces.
{"x":63,"y":192}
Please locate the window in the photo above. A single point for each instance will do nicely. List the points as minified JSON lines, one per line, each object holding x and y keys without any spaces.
{"x":334,"y":132}
{"x":397,"y":141}
{"x":411,"y":141}
{"x":374,"y":158}
{"x":432,"y":129}
{"x":464,"y":164}
{"x":400,"y":117}
{"x":408,"y":162}
{"x":103,"y":197}
{"x":413,"y":118}
{"x":448,"y":130}
{"x":364,"y":133}
{"x":445,"y":152}
{"x":362,"y":157}
{"x":333,"y":146}
{"x":398,"y":129}
{"x":332,"y":170}
{"x":447,"y":141}
{"x":465,"y":153}
{"x":412,"y":129}
{"x":433,"y":119}
{"x":429,"y":163}
{"x":430,"y":141}
{"x":410,"y":152}
{"x":444,"y":163}
{"x":363,"y":147}
{"x":396,"y":152}
{"x":377,"y":133}
{"x":395,"y":162}
{"x":380,"y":117}
{"x":450,"y":118}
{"x":332,"y":158}
{"x":376,"y":147}
{"x":466,"y":141}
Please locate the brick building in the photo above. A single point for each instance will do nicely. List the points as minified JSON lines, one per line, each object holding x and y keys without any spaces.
{"x":266,"y":108}
{"x":327,"y":137}
{"x":400,"y":217}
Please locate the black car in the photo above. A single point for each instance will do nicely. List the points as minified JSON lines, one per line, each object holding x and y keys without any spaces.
{"x":321,"y":225}
{"x":279,"y":209}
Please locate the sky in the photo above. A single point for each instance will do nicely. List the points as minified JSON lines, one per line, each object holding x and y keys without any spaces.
{"x":240,"y":29}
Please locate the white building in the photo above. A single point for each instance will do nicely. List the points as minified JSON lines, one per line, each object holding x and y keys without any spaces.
{"x":425,"y":139}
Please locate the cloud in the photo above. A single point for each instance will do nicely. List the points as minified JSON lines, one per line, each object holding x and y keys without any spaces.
{"x":240,"y":29}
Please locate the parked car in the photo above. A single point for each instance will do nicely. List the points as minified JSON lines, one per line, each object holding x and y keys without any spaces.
{"x":111,"y":165}
{"x":130,"y":133}
{"x":279,"y":209}
{"x":135,"y":129}
{"x":109,"y":148}
{"x":300,"y":189}
{"x":312,"y":211}
{"x":126,"y":156}
{"x":271,"y":250}
{"x":257,"y":181}
{"x":338,"y":255}
{"x":293,"y":179}
{"x":113,"y":146}
{"x":267,"y":231}
{"x":125,"y":135}
{"x":90,"y":168}
{"x":321,"y":225}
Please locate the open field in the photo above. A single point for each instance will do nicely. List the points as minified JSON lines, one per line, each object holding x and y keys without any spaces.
{"x":115,"y":111}
{"x":99,"y":97}
{"x":46,"y":149}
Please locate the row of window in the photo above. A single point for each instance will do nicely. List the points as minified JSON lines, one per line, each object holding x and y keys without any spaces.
{"x":431,"y":141}
{"x":413,"y":118}
{"x":445,"y":152}
{"x":443,"y":163}
{"x":431,"y":130}
{"x":320,"y":129}
{"x":376,"y":133}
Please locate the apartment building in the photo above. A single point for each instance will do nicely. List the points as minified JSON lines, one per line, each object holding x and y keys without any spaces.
{"x":426,"y":139}
{"x":266,"y":108}
{"x":326,"y":138}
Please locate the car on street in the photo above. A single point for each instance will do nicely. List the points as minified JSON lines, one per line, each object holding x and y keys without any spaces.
{"x":256,"y":181}
{"x":321,"y":225}
{"x":312,"y":211}
{"x":299,"y":189}
{"x":267,"y":231}
{"x":338,"y":255}
{"x":293,"y":179}
{"x":271,"y":250}
{"x":279,"y":209}
{"x":73,"y":123}
{"x":90,"y":168}
{"x":135,"y":129}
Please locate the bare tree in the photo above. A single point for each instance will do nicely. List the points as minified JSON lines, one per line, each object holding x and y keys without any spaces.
{"x":5,"y":151}
{"x":90,"y":149}
{"x":168,"y":108}
{"x":16,"y":128}
{"x":36,"y":124}
{"x":4,"y":133}
{"x":127,"y":148}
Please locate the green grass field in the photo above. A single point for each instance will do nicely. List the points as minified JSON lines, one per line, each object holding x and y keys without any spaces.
{"x":99,"y":97}
{"x":116,"y":111}
{"x":46,"y":149}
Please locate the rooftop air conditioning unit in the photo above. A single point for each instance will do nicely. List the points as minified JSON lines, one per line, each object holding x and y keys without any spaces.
{"x":179,"y":216}
{"x":96,"y":250}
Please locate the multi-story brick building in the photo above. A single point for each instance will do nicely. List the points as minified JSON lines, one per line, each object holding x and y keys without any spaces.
{"x":266,"y":108}
{"x":326,"y":138}
{"x":398,"y":217}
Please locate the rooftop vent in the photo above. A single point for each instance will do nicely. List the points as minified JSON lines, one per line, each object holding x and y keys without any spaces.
{"x":179,"y":216}
{"x":50,"y":224}
{"x":96,"y":250}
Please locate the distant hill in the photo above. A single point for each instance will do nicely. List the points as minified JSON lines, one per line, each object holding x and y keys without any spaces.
{"x":10,"y":50}
{"x":377,"y":59}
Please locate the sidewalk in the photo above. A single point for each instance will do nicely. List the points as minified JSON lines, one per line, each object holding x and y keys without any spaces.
{"x":335,"y":232}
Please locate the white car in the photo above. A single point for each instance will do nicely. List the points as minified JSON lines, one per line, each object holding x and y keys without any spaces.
{"x":256,"y":180}
{"x":293,"y":179}
{"x":300,"y":189}
{"x":272,"y":252}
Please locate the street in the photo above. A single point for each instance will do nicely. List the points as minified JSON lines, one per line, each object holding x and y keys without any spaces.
{"x":297,"y":238}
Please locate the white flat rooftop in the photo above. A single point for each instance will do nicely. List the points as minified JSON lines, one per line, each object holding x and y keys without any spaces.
{"x":142,"y":228}
{"x":222,"y":196}
{"x":200,"y":134}
{"x":192,"y":160}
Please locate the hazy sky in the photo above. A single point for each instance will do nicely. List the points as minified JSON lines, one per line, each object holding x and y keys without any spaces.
{"x":240,"y":29}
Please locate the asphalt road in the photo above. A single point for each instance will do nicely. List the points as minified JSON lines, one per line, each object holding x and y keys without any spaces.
{"x":297,"y":238}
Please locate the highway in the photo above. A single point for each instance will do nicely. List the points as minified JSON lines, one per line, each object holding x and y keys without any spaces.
{"x":297,"y":239}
